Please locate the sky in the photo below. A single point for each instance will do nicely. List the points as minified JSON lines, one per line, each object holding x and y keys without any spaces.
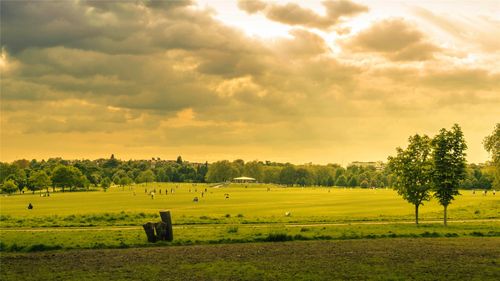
{"x":330,"y":81}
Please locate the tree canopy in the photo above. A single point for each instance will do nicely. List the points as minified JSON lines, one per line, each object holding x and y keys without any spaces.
{"x":413,"y":170}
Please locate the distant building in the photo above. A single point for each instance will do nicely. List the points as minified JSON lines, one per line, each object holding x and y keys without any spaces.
{"x":379,"y":165}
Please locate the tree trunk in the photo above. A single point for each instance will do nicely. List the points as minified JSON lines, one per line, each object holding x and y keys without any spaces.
{"x":416,"y":214}
{"x":445,"y":215}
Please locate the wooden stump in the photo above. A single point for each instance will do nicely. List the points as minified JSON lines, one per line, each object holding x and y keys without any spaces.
{"x":161,"y":231}
{"x":149,"y":228}
{"x":165,"y":218}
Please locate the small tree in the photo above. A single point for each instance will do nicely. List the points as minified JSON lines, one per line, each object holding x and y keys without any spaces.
{"x":146,"y":176}
{"x":341,"y":181}
{"x":364,"y":184}
{"x":105,"y":183}
{"x":9,"y":186}
{"x":449,"y":165}
{"x":125,"y":181}
{"x":352,"y":182}
{"x":40,"y":180}
{"x":412,"y":170}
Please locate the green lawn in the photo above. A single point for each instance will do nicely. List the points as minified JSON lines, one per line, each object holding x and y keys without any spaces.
{"x":252,"y":204}
{"x":113,"y":219}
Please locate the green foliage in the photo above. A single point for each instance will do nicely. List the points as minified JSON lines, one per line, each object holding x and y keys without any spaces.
{"x":352,"y":182}
{"x":105,"y":183}
{"x":287,"y":175}
{"x":492,"y":145}
{"x":449,"y":164}
{"x":413,"y":171}
{"x":68,"y":176}
{"x":341,"y":181}
{"x":125,"y":181}
{"x":364,"y":184}
{"x":39,"y":180}
{"x":221,"y":171}
{"x":9,"y":186}
{"x":146,"y":176}
{"x":254,"y":169}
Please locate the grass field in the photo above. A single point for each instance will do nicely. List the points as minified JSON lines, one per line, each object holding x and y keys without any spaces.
{"x":113,"y":219}
{"x":245,"y":205}
{"x":379,"y":259}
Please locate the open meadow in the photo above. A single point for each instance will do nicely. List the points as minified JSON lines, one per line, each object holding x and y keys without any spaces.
{"x":251,"y":213}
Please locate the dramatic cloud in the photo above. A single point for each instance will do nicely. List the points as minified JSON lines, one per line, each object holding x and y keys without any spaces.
{"x":395,"y":39}
{"x":162,"y":78}
{"x":293,"y":14}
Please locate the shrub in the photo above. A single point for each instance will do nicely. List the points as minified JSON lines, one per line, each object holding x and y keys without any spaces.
{"x":42,"y":247}
{"x":278,"y":237}
{"x":232,"y":229}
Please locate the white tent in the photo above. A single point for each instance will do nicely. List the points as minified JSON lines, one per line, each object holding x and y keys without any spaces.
{"x":244,"y":179}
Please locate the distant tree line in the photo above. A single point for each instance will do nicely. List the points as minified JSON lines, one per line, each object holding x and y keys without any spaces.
{"x":73,"y":175}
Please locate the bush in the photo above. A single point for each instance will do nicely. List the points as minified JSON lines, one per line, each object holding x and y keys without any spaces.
{"x":232,"y":229}
{"x":278,"y":237}
{"x":42,"y":247}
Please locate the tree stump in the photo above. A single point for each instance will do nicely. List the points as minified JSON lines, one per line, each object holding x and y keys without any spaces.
{"x":165,"y":217}
{"x":161,"y":231}
{"x":149,"y":228}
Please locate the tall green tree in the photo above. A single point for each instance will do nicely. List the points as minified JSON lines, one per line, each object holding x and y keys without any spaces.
{"x":341,"y":181}
{"x":221,"y":171}
{"x":67,"y":176}
{"x":39,"y":180}
{"x":412,"y":169}
{"x":287,"y":175}
{"x":253,"y":169}
{"x":146,"y":176}
{"x":492,"y":145}
{"x":449,"y":165}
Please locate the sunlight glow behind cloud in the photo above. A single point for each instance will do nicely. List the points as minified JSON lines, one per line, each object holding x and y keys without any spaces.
{"x":280,"y":81}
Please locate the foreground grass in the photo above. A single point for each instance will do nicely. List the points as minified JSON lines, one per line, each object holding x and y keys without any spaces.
{"x":380,"y":259}
{"x":42,"y":239}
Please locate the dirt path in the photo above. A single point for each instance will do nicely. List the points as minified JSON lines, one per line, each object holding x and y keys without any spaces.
{"x":205,"y":226}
